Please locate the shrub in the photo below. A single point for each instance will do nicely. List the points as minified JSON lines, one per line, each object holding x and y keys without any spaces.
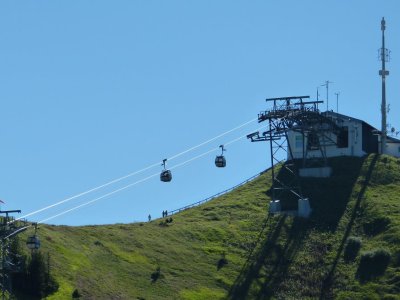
{"x":396,"y":259}
{"x":390,"y":297}
{"x":347,"y":295}
{"x":222,"y":261}
{"x":373,"y":263}
{"x":353,"y":245}
{"x":155,"y":275}
{"x":376,"y":225}
{"x":76,"y":294}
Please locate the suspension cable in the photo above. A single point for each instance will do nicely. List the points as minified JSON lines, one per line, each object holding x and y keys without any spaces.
{"x":213,"y":139}
{"x":131,"y":174}
{"x":99,"y":198}
{"x":140,"y":181}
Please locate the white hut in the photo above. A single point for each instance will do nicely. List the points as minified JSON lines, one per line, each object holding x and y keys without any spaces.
{"x":356,"y":138}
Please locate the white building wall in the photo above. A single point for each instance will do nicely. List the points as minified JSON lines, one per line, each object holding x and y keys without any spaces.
{"x":354,"y":142}
{"x":393,"y":149}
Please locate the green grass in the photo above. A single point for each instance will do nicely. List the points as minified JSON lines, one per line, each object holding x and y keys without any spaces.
{"x":266,"y":257}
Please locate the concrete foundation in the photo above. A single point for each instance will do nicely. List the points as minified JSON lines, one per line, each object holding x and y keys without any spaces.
{"x":304,"y":208}
{"x":274,"y":207}
{"x":321,"y":172}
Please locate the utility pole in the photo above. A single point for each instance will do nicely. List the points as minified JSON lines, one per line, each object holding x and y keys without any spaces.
{"x":384,"y":56}
{"x":327,"y":93}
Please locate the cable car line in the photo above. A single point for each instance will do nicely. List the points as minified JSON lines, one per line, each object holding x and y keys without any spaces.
{"x":205,"y":153}
{"x":86,"y":192}
{"x":131,"y":174}
{"x":99,"y":198}
{"x":213,"y":139}
{"x":123,"y":188}
{"x":139,"y":181}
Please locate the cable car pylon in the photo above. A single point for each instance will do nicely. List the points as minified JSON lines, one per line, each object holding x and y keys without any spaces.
{"x":166,"y":175}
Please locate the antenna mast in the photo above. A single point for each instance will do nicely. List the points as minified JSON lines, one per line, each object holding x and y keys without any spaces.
{"x":337,"y":101}
{"x":384,"y":56}
{"x":327,"y":93}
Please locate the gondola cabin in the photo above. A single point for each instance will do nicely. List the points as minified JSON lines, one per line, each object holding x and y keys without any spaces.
{"x":33,"y":242}
{"x":220,"y":161}
{"x":166,"y":176}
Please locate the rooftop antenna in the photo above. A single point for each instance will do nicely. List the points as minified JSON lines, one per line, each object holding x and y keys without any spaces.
{"x":327,"y":93}
{"x":317,"y":93}
{"x":337,"y":101}
{"x":384,"y":55}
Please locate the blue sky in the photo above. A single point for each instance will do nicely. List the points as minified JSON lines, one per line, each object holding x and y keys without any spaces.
{"x":93,"y":90}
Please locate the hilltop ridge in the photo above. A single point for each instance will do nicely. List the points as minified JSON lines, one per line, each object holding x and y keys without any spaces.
{"x":230,"y":248}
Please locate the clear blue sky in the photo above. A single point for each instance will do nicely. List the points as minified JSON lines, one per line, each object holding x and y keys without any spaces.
{"x":94,"y":90}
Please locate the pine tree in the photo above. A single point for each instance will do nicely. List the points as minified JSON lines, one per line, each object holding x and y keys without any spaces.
{"x":37,"y":275}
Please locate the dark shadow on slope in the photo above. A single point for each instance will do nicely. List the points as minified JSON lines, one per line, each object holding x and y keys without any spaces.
{"x":326,"y":291}
{"x":267,"y":267}
{"x":277,"y":269}
{"x":329,"y":196}
{"x":255,"y":259}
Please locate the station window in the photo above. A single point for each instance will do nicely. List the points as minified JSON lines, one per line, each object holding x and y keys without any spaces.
{"x":343,"y":138}
{"x":312,"y":141}
{"x":299,"y":141}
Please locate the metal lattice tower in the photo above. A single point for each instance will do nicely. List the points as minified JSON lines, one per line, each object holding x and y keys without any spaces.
{"x":317,"y":130}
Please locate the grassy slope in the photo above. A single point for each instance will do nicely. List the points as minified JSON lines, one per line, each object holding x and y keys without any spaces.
{"x":267,"y":257}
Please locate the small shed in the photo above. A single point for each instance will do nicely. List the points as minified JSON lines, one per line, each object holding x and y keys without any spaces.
{"x":393,"y":146}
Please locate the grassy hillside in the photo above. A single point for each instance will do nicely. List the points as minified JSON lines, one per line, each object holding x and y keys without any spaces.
{"x":229,"y":248}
